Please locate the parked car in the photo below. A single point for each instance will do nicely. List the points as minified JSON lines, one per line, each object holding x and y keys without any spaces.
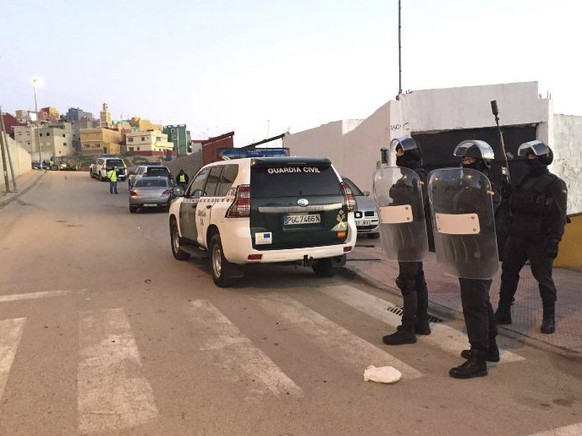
{"x":366,"y":213}
{"x":154,"y":192}
{"x":148,"y":171}
{"x":264,"y":210}
{"x":100,"y":168}
{"x":36,"y":165}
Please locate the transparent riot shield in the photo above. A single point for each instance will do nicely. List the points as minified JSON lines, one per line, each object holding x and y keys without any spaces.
{"x":461,"y":203}
{"x":398,"y":195}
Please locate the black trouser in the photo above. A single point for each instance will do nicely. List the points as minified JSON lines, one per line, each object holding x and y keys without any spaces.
{"x":478,"y":312}
{"x":516,"y":253}
{"x":412,"y":284}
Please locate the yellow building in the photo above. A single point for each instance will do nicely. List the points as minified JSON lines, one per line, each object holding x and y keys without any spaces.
{"x":144,"y":125}
{"x":95,"y":142}
{"x":151,"y":142}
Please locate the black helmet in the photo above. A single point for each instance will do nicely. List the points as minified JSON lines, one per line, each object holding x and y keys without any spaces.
{"x":477,"y":149}
{"x":412,"y":155}
{"x":538,"y":148}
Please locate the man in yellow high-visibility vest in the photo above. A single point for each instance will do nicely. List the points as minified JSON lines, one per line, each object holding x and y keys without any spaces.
{"x":182,"y":179}
{"x":112,"y":176}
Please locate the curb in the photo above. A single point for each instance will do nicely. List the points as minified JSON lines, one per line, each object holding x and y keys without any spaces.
{"x":8,"y":197}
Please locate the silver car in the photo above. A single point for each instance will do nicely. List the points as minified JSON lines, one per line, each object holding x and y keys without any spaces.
{"x":150,"y":192}
{"x":366,"y":213}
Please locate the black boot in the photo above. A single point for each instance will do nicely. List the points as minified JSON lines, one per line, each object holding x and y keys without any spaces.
{"x":475,"y":366}
{"x":503,"y":315}
{"x":492,"y":353}
{"x":549,"y":320}
{"x":402,"y":336}
{"x":422,"y":328}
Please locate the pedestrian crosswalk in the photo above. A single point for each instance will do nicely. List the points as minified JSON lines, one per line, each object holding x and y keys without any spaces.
{"x":113,"y":391}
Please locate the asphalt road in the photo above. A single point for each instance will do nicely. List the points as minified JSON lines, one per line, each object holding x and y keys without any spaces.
{"x":103,"y":332}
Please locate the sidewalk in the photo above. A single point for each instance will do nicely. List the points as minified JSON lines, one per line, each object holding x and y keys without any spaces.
{"x":24,"y":182}
{"x":369,"y":263}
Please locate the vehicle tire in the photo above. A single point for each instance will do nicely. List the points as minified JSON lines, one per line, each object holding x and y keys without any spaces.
{"x":324,"y":268}
{"x":218,"y":263}
{"x":132,"y":209}
{"x":175,"y":243}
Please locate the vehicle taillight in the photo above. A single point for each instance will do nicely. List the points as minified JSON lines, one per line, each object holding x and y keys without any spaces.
{"x":241,"y":206}
{"x":349,"y":196}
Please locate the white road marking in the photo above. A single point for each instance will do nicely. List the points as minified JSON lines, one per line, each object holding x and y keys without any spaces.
{"x":232,"y":349}
{"x":33,"y":295}
{"x":335,"y":340}
{"x":10,"y":334}
{"x":444,"y":337}
{"x":570,"y":430}
{"x":112,"y":393}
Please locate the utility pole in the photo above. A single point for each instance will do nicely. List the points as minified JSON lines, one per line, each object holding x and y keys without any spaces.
{"x":37,"y":122}
{"x":4,"y":145}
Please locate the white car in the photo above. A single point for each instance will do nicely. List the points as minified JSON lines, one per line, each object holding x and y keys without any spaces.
{"x":366,"y":213}
{"x":264,"y":210}
{"x":101,"y":167}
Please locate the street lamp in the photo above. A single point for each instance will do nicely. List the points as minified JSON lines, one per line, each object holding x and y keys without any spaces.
{"x":36,"y":81}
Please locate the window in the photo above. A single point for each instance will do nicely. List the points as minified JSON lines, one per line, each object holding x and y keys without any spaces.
{"x":198,"y":183}
{"x":213,"y":179}
{"x":226,"y":180}
{"x":130,"y":139}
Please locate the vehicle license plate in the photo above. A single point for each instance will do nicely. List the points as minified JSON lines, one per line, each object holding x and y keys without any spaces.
{"x":365,"y":222}
{"x":150,"y":205}
{"x":294,"y":219}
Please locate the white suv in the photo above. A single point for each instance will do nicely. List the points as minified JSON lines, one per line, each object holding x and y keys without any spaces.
{"x":264,"y":210}
{"x":100,"y":168}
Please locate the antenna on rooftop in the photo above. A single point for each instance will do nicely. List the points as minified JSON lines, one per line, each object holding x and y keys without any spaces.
{"x":399,"y":53}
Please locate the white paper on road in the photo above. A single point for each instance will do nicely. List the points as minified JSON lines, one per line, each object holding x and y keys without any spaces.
{"x":382,"y":374}
{"x":233,"y":350}
{"x":442,"y":336}
{"x":10,"y":334}
{"x":335,"y":340}
{"x":112,"y":393}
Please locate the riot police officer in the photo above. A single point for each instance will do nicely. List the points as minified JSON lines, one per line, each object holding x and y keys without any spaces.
{"x":407,"y":242}
{"x":466,"y":246}
{"x":536,"y":223}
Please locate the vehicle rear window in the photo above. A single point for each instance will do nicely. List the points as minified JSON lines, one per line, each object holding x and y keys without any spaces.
{"x":293,"y":180}
{"x":144,"y":183}
{"x":157,"y":172}
{"x":115,"y":163}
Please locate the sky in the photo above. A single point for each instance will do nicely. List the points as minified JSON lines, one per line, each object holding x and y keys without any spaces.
{"x":264,"y":67}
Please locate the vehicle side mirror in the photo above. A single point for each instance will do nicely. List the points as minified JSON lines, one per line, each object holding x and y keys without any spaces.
{"x":178,"y":191}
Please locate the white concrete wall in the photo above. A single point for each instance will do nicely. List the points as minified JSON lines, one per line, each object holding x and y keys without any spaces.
{"x":354,"y":145}
{"x":470,"y":107}
{"x":567,"y":146}
{"x":21,"y":162}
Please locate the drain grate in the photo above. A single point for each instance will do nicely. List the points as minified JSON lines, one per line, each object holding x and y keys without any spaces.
{"x":398,"y":311}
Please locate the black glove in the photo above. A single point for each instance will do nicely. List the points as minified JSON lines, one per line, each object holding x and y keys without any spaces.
{"x":552,"y":249}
